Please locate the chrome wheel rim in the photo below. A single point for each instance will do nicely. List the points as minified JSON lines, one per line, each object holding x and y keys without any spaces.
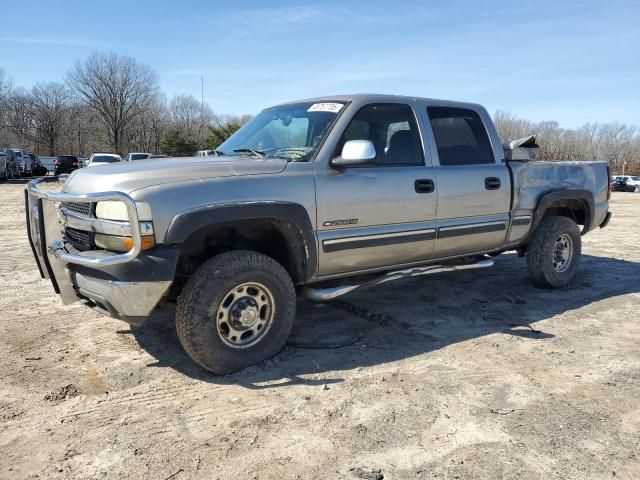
{"x":562,"y":253}
{"x":245,"y":315}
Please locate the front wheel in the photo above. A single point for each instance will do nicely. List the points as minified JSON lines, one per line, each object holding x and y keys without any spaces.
{"x":553,"y":254}
{"x":236,"y":310}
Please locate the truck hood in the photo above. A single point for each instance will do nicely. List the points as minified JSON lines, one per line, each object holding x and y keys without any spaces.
{"x":129,"y":176}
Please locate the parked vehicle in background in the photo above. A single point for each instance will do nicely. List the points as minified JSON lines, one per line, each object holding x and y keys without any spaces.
{"x":97,"y":159}
{"x":137,"y":156}
{"x":3,"y":165}
{"x":158,"y":156}
{"x":205,"y":153}
{"x":626,"y":183}
{"x":37,"y":168}
{"x":13,"y":169}
{"x":35,"y":161}
{"x":319,"y":197}
{"x":24,"y":162}
{"x":65,"y":164}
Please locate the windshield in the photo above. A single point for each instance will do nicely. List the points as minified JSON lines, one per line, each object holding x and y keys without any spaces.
{"x":293,"y":132}
{"x":139,"y":156}
{"x":104,"y":159}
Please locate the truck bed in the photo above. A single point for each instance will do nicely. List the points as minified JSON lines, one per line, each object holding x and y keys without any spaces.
{"x":532,"y":179}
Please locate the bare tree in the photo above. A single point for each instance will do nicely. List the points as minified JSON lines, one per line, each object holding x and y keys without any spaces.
{"x":5,"y":91}
{"x":18,"y":118}
{"x":591,"y":132}
{"x":148,"y":129}
{"x":510,"y":127}
{"x":117,"y":88}
{"x":190,"y":117}
{"x":48,"y":105}
{"x":5,"y":86}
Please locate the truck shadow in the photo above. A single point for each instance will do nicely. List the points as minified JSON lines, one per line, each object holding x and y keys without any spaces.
{"x":406,"y":318}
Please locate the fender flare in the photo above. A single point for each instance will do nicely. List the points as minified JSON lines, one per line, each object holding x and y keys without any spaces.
{"x":299,"y":229}
{"x":548,"y":199}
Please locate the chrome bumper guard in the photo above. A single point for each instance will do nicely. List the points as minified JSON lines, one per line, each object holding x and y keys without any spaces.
{"x":130,"y":301}
{"x":36,"y":199}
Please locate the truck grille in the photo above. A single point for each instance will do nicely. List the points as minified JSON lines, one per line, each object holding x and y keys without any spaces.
{"x":81,"y":208}
{"x":80,"y":239}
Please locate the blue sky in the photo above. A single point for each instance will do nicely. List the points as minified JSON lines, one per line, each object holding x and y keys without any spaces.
{"x":574,"y":62}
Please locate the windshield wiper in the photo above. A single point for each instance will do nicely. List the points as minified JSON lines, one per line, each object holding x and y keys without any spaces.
{"x":257,"y":153}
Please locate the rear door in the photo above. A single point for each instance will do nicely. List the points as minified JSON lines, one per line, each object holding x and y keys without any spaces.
{"x":381,"y":214}
{"x":474,"y":187}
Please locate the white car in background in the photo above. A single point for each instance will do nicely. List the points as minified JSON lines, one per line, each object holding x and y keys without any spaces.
{"x":206,"y":153}
{"x":137,"y":156}
{"x":97,"y":159}
{"x":626,"y":183}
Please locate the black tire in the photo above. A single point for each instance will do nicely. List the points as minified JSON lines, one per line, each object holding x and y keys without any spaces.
{"x":202,"y":299}
{"x":544,"y":260}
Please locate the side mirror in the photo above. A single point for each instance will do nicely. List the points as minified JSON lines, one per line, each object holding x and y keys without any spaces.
{"x":354,"y":153}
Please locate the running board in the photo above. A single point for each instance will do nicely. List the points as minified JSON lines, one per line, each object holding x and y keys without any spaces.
{"x":325,"y":294}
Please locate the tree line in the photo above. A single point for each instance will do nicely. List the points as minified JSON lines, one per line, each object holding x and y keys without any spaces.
{"x":108,"y":103}
{"x":113,"y":103}
{"x":615,"y":142}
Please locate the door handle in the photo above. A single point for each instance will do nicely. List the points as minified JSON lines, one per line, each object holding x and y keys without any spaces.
{"x":424,"y":185}
{"x":492,"y":183}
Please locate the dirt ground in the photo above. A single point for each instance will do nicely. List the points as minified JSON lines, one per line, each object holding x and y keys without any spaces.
{"x":467,"y":375}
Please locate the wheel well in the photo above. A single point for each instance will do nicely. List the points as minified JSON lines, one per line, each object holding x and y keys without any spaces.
{"x":275,"y":238}
{"x":574,"y":208}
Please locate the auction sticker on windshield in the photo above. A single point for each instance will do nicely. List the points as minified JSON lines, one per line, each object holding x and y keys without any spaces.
{"x":325,"y":107}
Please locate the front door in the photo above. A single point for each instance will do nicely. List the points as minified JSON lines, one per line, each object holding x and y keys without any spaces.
{"x":380,"y":214}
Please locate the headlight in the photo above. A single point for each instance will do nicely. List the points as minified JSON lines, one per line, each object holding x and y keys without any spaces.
{"x":122,"y":244}
{"x":115,"y":210}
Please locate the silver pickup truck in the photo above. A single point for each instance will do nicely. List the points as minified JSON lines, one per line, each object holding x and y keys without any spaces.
{"x":318,"y":197}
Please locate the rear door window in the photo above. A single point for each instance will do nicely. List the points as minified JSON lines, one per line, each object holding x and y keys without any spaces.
{"x":460,"y":135}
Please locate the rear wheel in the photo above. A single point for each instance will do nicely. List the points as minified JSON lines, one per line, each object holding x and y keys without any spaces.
{"x":553,"y":254}
{"x":236,"y":310}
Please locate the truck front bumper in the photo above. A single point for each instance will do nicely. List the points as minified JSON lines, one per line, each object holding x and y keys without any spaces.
{"x":126,"y":286}
{"x":130,"y":295}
